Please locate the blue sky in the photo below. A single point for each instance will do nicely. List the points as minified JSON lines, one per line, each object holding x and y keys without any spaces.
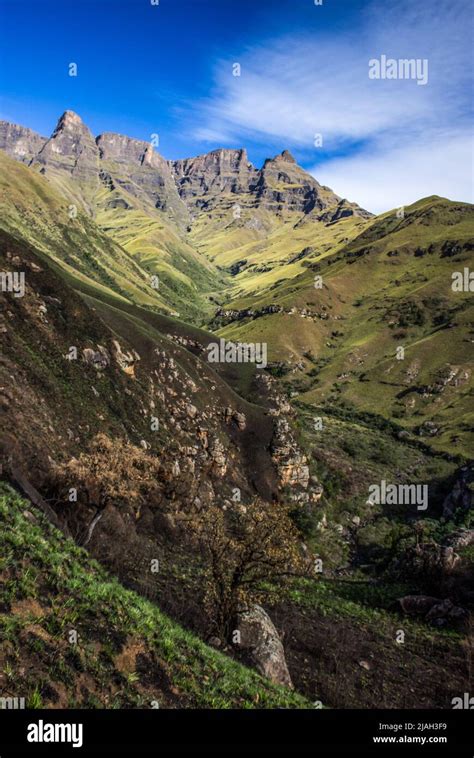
{"x":168,"y":69}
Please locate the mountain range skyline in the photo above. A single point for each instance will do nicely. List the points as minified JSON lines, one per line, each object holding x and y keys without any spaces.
{"x":349,"y":131}
{"x":74,"y":150}
{"x":69,"y":113}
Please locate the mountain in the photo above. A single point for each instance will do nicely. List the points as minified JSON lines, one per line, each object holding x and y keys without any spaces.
{"x":155,"y":208}
{"x":124,"y":438}
{"x":209,"y":182}
{"x":70,"y":156}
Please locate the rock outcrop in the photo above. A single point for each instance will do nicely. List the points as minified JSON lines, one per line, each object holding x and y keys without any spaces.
{"x":125,"y":359}
{"x":432,"y":609}
{"x":291,"y":463}
{"x":98,"y":359}
{"x":460,"y":539}
{"x":259,"y":638}
{"x":19,"y":142}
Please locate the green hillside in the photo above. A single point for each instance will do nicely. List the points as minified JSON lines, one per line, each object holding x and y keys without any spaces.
{"x":259,"y":250}
{"x":388,"y":287}
{"x":115,"y":264}
{"x":185,"y":278}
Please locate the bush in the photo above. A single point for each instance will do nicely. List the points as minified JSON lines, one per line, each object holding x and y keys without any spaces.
{"x":247,"y":554}
{"x":111,"y":471}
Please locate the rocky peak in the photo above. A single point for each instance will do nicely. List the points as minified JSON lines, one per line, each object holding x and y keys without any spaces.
{"x":71,"y":149}
{"x":283,"y":185}
{"x":285,"y":155}
{"x":69,"y":120}
{"x":214,"y":173}
{"x":70,"y":136}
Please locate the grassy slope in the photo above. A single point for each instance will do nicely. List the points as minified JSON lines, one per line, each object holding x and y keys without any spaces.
{"x":377,"y":294}
{"x":286,"y":335}
{"x":128,"y":653}
{"x":233,"y":378}
{"x":31,"y":209}
{"x":341,"y":629}
{"x":119,"y":263}
{"x":50,"y":396}
{"x":186,"y":278}
{"x":345,"y":652}
{"x":267,"y":245}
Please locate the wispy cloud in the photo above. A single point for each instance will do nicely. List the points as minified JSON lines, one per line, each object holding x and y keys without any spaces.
{"x":293,"y":88}
{"x":387,"y":177}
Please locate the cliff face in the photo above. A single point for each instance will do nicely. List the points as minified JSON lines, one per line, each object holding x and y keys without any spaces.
{"x":280,"y":185}
{"x":200,"y":181}
{"x":284,"y":185}
{"x":179,"y":188}
{"x":137,"y":168}
{"x":19,"y":142}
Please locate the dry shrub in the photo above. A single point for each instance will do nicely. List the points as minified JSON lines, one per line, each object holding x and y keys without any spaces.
{"x":110,"y":472}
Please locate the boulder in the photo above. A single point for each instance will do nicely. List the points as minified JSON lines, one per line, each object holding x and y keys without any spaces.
{"x":125,"y":360}
{"x":461,"y":538}
{"x":445,"y":611}
{"x":216,"y":452}
{"x":99,"y":358}
{"x":259,"y":637}
{"x":240,"y":420}
{"x":417,"y":605}
{"x":191,"y":410}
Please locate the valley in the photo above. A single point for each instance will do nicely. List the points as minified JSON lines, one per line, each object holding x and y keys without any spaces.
{"x":247,"y":481}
